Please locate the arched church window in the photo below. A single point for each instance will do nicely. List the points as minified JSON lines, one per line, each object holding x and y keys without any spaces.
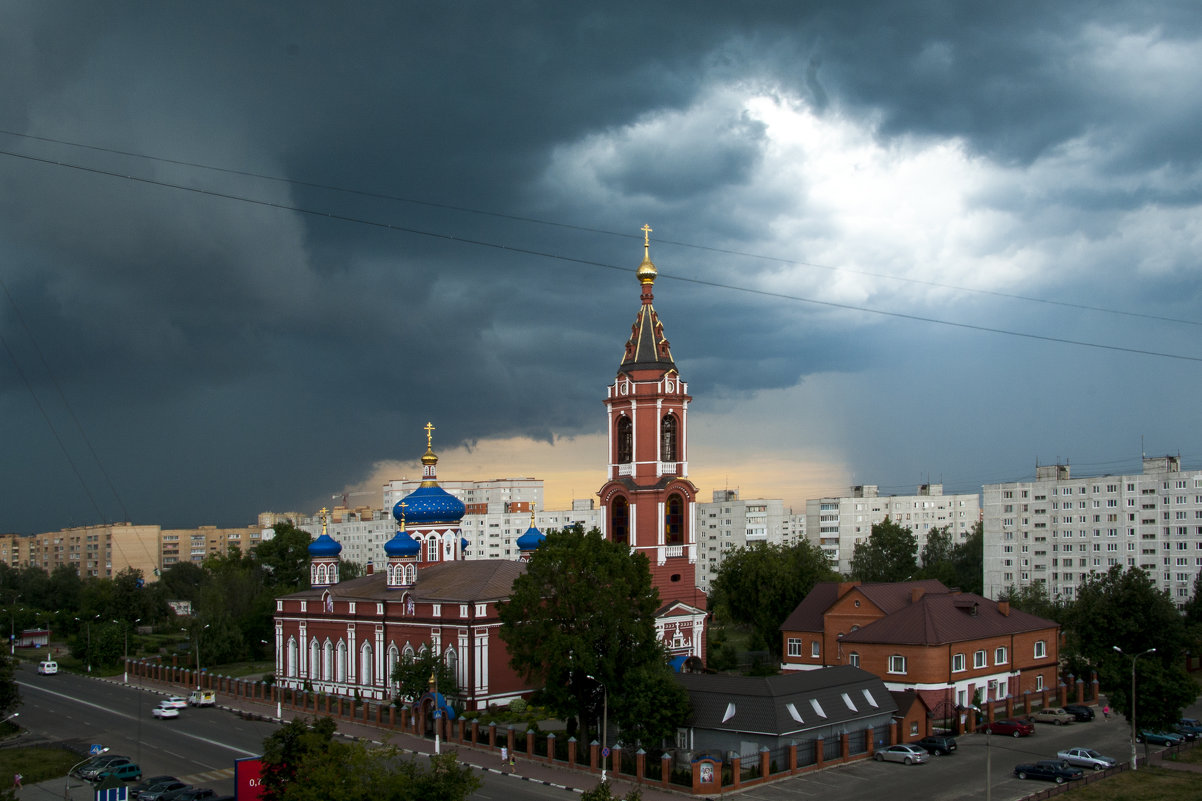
{"x":407,"y":654}
{"x":625,"y":440}
{"x":432,"y":549}
{"x":674,"y":520}
{"x":619,"y":520}
{"x":365,"y":665}
{"x":341,"y":661}
{"x":314,"y":670}
{"x":327,"y":663}
{"x":668,"y":431}
{"x":290,"y":668}
{"x":452,"y":660}
{"x":394,"y":657}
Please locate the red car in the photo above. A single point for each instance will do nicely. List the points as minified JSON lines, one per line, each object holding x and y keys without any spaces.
{"x":1011,"y":726}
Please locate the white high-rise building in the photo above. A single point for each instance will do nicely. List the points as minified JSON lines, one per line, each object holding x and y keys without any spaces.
{"x":1056,"y":530}
{"x":837,"y":524}
{"x":728,"y":523}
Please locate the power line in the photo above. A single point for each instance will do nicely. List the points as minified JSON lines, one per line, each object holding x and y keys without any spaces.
{"x":591,"y":263}
{"x":588,"y":229}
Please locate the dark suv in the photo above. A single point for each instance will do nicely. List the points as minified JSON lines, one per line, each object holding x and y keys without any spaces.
{"x":937,"y":744}
{"x":1081,"y":712}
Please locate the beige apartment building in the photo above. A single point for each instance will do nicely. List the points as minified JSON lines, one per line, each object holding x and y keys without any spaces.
{"x":104,"y":551}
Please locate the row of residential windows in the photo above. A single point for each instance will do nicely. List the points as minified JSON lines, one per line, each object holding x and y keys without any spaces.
{"x":897,"y":663}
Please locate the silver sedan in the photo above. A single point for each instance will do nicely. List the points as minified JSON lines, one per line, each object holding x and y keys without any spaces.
{"x":1086,"y":758}
{"x":906,"y":754}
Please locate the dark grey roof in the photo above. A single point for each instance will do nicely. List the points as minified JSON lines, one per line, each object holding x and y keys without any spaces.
{"x":786,"y":704}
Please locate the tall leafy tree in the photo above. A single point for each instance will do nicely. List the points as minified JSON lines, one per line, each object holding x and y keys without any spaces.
{"x":759,"y":585}
{"x":582,"y":618}
{"x":889,"y":554}
{"x":1124,"y":609}
{"x":968,"y":561}
{"x":286,"y":557}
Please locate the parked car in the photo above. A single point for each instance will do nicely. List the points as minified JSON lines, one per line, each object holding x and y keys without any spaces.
{"x":190,"y":794}
{"x":127,"y":772}
{"x":175,"y":701}
{"x":1185,"y":731}
{"x":146,"y":784}
{"x":1190,"y":724}
{"x":202,"y":698}
{"x":1011,"y":726}
{"x":905,"y":753}
{"x":165,"y":710}
{"x":1086,"y":758}
{"x":1081,"y":712}
{"x":1057,"y":716}
{"x":1159,"y":738}
{"x":97,"y":762}
{"x":937,"y":744}
{"x":47,"y":667}
{"x":1054,"y":770}
{"x":92,"y":772}
{"x":157,"y":792}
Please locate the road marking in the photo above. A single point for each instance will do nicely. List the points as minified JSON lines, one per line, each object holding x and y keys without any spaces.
{"x":131,"y":717}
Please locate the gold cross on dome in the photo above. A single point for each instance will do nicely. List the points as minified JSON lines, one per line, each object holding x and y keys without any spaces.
{"x":429,"y":434}
{"x":646,"y":229}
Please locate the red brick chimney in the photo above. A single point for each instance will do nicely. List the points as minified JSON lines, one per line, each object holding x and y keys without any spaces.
{"x":1004,"y":608}
{"x":916,"y":593}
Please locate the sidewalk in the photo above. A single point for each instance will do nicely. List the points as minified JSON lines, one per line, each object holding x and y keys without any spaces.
{"x":482,"y":759}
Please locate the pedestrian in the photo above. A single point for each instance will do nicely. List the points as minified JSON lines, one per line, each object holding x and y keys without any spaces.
{"x":504,"y":756}
{"x":513,"y":761}
{"x":1106,"y":712}
{"x":17,"y":781}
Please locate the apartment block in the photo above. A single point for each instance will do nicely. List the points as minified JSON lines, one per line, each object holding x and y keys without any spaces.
{"x":1057,"y":529}
{"x":837,"y":524}
{"x":729,"y":522}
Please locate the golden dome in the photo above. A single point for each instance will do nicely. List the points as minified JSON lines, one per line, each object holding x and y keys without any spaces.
{"x":646,"y":272}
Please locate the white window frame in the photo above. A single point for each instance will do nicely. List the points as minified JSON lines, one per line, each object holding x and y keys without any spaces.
{"x":897,"y":664}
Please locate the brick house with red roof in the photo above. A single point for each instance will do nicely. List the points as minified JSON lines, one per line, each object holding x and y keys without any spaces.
{"x":918,"y":635}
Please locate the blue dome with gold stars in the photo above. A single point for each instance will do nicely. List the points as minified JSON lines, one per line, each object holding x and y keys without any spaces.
{"x":429,"y":504}
{"x":531,"y":539}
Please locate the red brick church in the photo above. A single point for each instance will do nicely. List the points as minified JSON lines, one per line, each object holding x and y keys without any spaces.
{"x":345,"y":637}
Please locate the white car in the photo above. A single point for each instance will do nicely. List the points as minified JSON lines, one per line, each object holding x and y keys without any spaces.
{"x":165,"y":710}
{"x":1086,"y":758}
{"x":48,"y":667}
{"x":906,"y":754}
{"x":175,"y":702}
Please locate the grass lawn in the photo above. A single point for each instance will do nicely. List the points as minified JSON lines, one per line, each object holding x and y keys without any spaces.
{"x":1146,"y":784}
{"x":37,"y":763}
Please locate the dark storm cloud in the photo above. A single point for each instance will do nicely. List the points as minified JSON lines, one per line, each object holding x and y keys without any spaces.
{"x":225,"y":351}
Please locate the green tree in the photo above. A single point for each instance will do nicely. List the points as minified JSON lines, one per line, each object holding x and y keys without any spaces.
{"x":1123,"y":609}
{"x":889,"y":554}
{"x":582,"y":618}
{"x":968,"y":561}
{"x":413,"y":676}
{"x":759,"y":585}
{"x":286,"y":558}
{"x":1034,"y":599}
{"x":10,"y":694}
{"x":303,"y":762}
{"x":602,"y":792}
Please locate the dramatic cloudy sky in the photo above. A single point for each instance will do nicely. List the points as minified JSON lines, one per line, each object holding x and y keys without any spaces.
{"x":247,"y":250}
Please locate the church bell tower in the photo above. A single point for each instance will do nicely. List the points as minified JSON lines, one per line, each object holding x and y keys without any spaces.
{"x":647,"y":501}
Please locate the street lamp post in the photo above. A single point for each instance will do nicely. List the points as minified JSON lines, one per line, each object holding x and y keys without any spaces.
{"x":88,"y":624}
{"x":67,"y":782}
{"x":125,"y":664}
{"x":437,"y":712}
{"x":604,"y":722}
{"x":1134,"y":754}
{"x":198,"y":633}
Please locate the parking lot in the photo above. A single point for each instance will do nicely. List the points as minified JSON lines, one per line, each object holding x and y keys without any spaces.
{"x":961,"y":775}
